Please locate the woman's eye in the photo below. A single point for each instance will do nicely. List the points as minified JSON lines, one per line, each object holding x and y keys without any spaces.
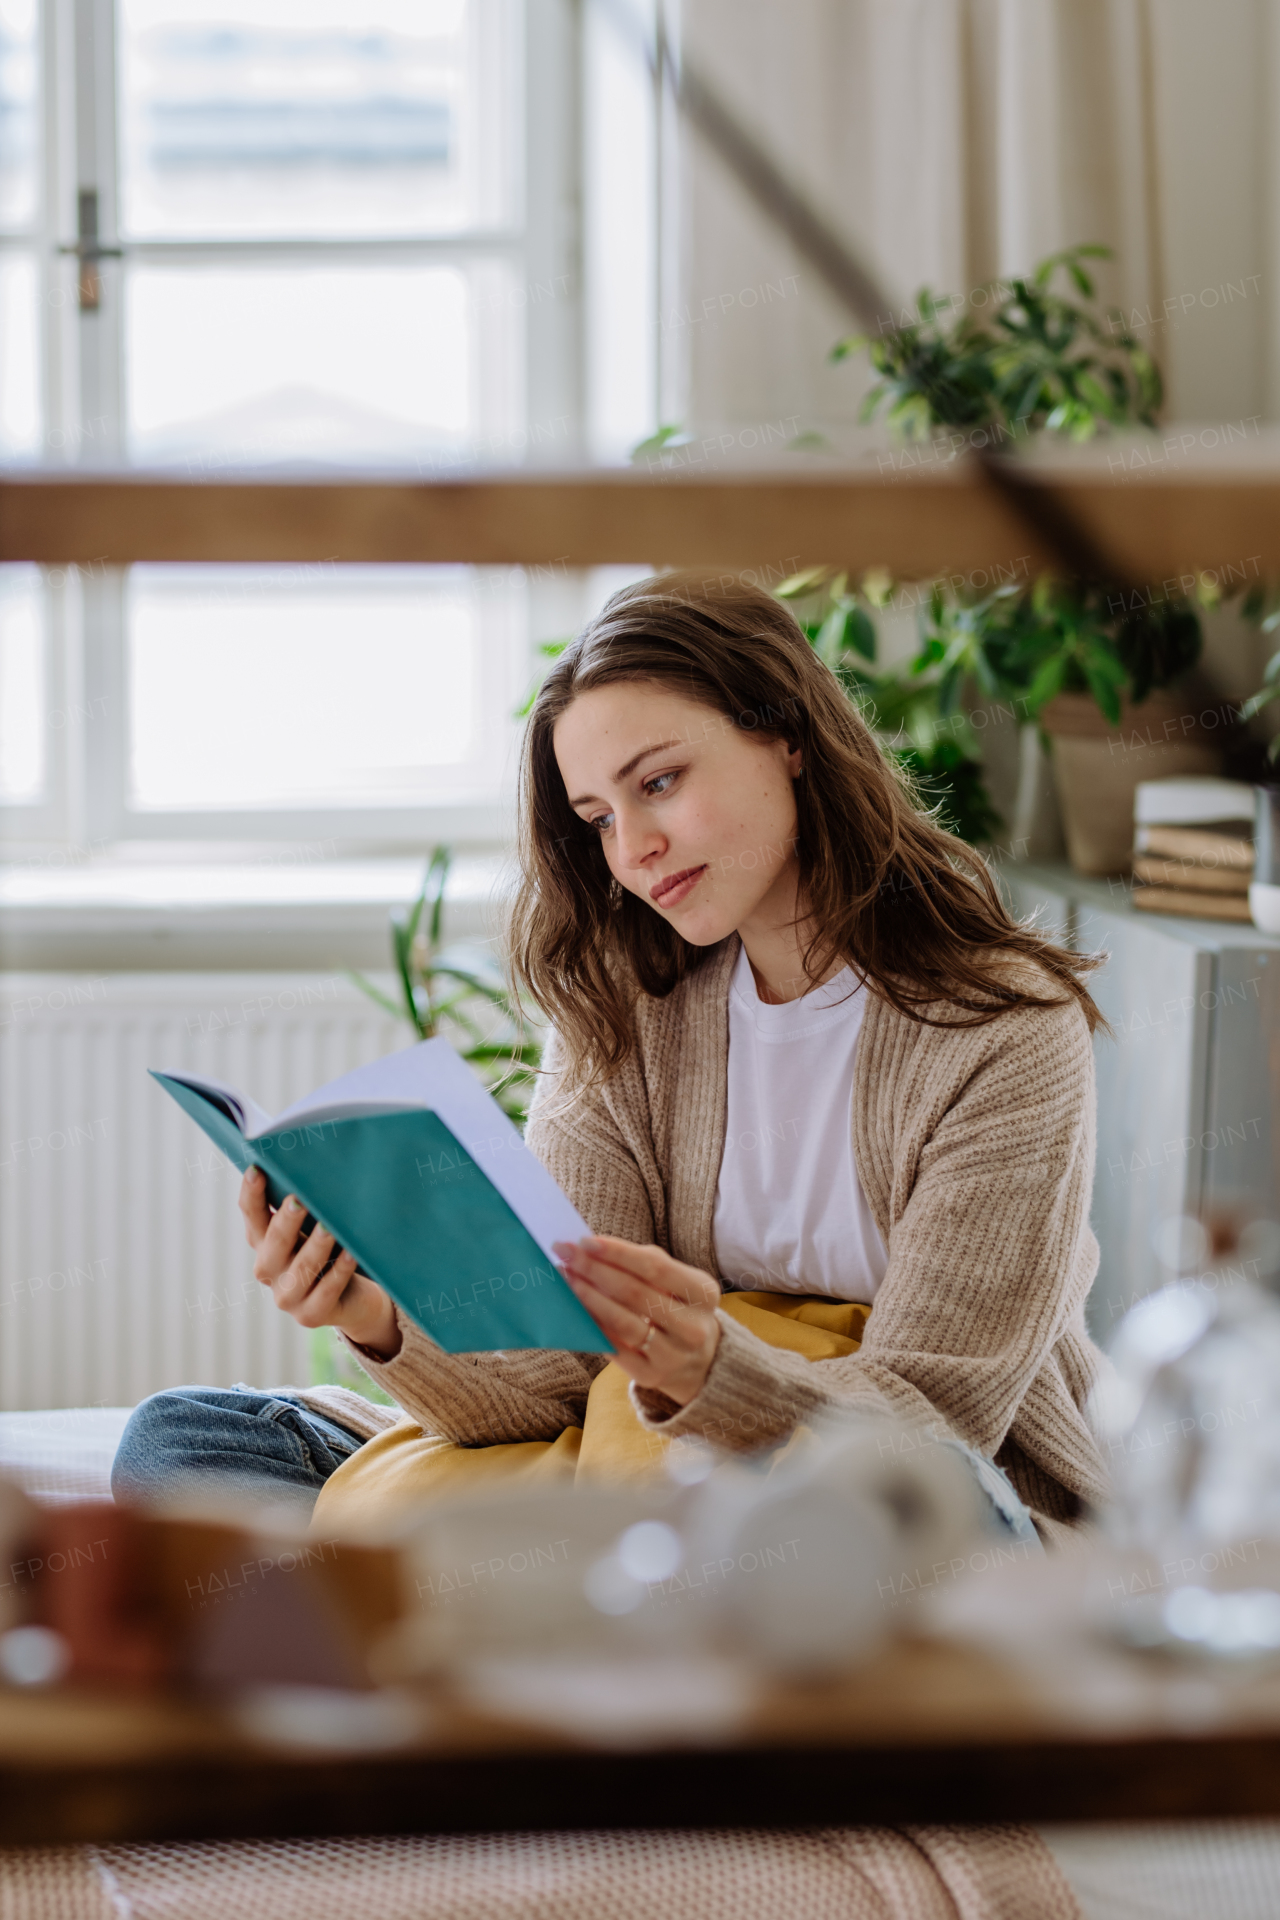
{"x":655,"y":786}
{"x":602,"y":822}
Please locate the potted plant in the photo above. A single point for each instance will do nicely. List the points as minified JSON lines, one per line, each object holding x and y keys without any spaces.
{"x":459,"y":990}
{"x":1079,"y":662}
{"x":935,"y":749}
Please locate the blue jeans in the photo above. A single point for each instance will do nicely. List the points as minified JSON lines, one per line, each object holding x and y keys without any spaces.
{"x":1010,"y":1517}
{"x":272,"y":1446}
{"x":234,"y":1439}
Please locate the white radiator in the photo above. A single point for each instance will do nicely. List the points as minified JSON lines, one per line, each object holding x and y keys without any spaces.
{"x":123,"y":1265}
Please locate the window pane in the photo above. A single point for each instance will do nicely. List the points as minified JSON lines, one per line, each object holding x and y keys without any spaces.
{"x":303,"y":686}
{"x":21,"y":686}
{"x":306,"y":117}
{"x":20,"y":410}
{"x":19,"y":112}
{"x":233,"y":365}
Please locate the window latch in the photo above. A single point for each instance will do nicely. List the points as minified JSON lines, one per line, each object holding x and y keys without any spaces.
{"x":88,"y":250}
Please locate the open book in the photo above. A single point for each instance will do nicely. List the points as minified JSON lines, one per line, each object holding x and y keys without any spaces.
{"x":417,"y":1171}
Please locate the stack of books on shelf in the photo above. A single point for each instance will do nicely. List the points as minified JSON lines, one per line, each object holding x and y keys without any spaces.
{"x":1193,"y":848}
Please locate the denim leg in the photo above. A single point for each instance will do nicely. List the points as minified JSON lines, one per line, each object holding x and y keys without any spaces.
{"x":196,"y":1439}
{"x":1008,"y":1516}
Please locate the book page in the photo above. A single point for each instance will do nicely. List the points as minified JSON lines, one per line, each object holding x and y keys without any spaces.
{"x":432,"y":1075}
{"x":305,"y":1114}
{"x":363,"y":1090}
{"x":245,"y":1113}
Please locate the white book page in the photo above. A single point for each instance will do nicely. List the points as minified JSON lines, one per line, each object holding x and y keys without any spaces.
{"x":432,"y":1075}
{"x":253,"y":1119}
{"x":361,"y":1090}
{"x":301,"y":1117}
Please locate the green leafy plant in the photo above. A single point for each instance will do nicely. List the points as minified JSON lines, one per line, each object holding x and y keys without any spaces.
{"x":1015,"y":646}
{"x":1261,"y":605}
{"x":1031,"y":358}
{"x":334,"y":1365}
{"x":547,"y":650}
{"x":458,"y":990}
{"x":917,"y":720}
{"x":950,"y":780}
{"x":1035,"y":355}
{"x":1026,"y":644}
{"x":1035,"y":361}
{"x":665,"y":439}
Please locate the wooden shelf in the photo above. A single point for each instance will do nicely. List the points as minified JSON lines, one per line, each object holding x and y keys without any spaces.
{"x":1156,"y":523}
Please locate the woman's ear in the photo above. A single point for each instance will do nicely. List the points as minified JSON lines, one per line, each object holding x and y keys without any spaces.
{"x":795,"y":761}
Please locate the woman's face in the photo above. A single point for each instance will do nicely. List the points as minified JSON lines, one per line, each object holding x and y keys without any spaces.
{"x":696,"y":815}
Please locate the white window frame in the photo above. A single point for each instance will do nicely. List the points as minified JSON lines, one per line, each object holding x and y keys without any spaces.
{"x":85,"y":665}
{"x":47,"y":818}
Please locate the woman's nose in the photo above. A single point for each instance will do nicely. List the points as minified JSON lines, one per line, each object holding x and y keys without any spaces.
{"x":636,"y":842}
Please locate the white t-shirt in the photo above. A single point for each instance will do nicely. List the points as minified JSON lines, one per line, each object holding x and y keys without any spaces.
{"x":791,"y":1216}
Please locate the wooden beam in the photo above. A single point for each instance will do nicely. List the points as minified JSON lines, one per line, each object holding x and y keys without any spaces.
{"x":918,"y":524}
{"x":575,"y":520}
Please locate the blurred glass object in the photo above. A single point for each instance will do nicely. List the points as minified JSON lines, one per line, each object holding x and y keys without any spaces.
{"x":1241,"y":1624}
{"x":1192,"y":1418}
{"x":33,"y":1656}
{"x":19,"y":113}
{"x":245,"y":688}
{"x":352,"y":118}
{"x":650,"y":1550}
{"x":331,"y":1719}
{"x":1181,"y":1243}
{"x":1245,"y":1622}
{"x":22,"y":686}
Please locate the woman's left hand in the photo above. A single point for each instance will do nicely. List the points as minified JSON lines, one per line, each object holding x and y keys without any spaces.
{"x":659,"y":1314}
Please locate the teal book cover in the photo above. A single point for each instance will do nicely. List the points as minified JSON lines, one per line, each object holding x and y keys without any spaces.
{"x":416,"y":1170}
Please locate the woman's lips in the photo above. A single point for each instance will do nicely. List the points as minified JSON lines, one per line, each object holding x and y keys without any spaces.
{"x":677,"y":887}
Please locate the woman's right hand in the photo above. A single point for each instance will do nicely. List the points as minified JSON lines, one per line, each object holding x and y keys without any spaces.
{"x":342,"y":1298}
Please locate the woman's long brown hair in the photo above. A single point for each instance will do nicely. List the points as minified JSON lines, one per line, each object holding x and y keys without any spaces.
{"x":910,"y":907}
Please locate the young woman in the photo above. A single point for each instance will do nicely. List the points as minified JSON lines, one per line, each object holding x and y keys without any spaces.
{"x":798,"y":1048}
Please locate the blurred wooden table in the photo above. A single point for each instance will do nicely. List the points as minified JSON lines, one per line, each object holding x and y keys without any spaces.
{"x":928,"y":1732}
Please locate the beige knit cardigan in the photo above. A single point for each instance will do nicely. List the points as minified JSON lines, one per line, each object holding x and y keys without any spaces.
{"x":975,"y":1148}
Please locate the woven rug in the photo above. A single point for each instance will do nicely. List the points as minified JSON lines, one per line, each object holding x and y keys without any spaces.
{"x":873,"y":1873}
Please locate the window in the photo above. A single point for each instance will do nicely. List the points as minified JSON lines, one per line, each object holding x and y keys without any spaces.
{"x":247,"y":234}
{"x":20,"y":235}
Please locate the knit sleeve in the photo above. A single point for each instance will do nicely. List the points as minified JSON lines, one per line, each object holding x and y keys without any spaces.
{"x":479,"y":1399}
{"x":990,"y":1260}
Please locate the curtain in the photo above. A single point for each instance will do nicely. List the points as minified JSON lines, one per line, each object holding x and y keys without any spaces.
{"x":956,"y":141}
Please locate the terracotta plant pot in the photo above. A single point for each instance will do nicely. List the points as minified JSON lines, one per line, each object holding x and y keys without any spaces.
{"x":1096,"y":766}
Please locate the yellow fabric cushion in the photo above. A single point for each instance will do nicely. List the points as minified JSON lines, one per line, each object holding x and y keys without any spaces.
{"x":404,"y":1466}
